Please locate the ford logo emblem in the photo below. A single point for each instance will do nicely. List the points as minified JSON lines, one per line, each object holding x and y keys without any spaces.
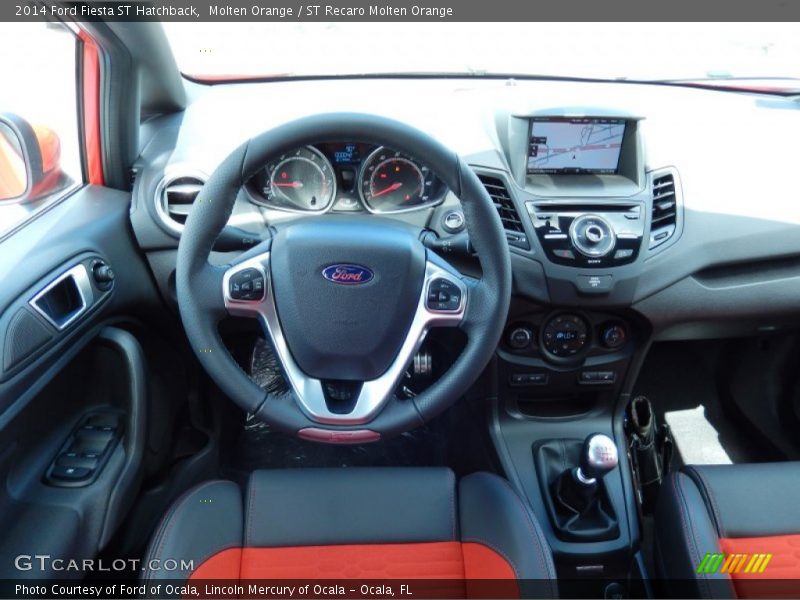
{"x":348,"y":274}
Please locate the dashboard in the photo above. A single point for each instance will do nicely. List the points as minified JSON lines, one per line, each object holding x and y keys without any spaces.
{"x":346,"y":176}
{"x":614,"y":196}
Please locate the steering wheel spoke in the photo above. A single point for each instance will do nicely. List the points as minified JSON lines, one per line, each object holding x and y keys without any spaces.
{"x":442,"y":302}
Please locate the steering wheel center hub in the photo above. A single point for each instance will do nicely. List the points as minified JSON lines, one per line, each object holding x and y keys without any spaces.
{"x":346,"y":290}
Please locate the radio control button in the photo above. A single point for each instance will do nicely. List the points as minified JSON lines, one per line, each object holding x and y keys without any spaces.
{"x":592,"y":236}
{"x":560,"y":253}
{"x":594,"y":284}
{"x":620,"y":254}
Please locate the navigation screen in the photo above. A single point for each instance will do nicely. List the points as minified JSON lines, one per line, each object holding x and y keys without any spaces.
{"x":560,"y":145}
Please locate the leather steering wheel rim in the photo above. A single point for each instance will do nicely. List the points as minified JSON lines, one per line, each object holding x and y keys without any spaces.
{"x":202,"y":301}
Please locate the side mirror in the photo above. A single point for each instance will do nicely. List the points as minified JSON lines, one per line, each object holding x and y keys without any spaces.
{"x":30,"y":159}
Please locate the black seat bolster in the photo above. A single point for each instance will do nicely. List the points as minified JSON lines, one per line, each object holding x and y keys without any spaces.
{"x":202,"y":522}
{"x":491,"y":513}
{"x":685,"y":533}
{"x":309,"y":507}
{"x":732,"y":491}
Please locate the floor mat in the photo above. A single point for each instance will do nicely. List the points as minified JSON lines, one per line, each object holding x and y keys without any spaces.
{"x":679,"y":379}
{"x":696,"y":438}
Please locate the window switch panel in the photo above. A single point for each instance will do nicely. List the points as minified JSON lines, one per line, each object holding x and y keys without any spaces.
{"x":86,"y":450}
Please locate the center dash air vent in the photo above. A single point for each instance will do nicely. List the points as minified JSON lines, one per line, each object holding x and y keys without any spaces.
{"x":175,"y":198}
{"x":665,"y":208}
{"x":498,"y":192}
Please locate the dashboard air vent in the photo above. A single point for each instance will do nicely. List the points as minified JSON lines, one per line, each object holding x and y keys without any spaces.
{"x":175,"y":199}
{"x":498,"y":192}
{"x":665,"y":209}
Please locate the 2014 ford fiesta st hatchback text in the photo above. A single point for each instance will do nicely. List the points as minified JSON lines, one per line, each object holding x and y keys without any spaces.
{"x":399,"y":309}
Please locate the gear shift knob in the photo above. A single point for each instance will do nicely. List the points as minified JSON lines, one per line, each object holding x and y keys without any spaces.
{"x":598,"y":457}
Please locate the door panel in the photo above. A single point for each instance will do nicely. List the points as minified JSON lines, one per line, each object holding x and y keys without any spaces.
{"x":64,"y":368}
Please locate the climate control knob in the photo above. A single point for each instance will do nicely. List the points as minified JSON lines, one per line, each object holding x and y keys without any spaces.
{"x":614,"y":336}
{"x":520,"y":338}
{"x":592,"y":236}
{"x":565,"y":335}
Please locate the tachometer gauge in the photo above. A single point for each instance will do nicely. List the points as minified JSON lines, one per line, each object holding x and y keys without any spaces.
{"x":393,"y":182}
{"x":300,"y":180}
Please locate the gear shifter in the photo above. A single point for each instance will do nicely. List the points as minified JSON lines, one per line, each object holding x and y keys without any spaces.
{"x":578,"y":487}
{"x":598,"y":457}
{"x":577,"y":497}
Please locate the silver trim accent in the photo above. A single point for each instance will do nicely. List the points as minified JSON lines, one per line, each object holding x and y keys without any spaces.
{"x":601,"y":455}
{"x":582,"y":478}
{"x":454,"y":213}
{"x":374,"y":393}
{"x":592,"y":252}
{"x":80,"y":275}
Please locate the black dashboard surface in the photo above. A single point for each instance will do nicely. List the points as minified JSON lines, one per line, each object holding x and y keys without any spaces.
{"x":736,"y":205}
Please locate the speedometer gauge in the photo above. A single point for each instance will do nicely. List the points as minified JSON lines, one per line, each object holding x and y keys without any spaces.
{"x":393,"y":182}
{"x":300,"y":180}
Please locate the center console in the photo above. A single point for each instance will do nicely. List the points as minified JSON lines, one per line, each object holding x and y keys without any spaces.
{"x":594,"y":214}
{"x":562,"y":378}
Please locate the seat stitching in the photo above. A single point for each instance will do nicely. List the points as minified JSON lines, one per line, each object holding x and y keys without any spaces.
{"x":168,"y":522}
{"x":683,"y":511}
{"x":250,"y":510}
{"x":711,"y":498}
{"x":535,"y":534}
{"x":453,"y":509}
{"x":159,"y":537}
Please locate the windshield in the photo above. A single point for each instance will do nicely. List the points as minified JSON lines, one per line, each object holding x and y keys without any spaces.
{"x":640,"y":51}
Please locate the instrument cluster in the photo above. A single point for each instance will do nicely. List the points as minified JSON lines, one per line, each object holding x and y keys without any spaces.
{"x":346,"y":177}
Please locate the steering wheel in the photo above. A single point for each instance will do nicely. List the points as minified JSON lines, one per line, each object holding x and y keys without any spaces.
{"x":345,"y":300}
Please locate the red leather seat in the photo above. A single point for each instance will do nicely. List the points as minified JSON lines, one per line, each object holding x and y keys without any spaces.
{"x":730,"y":531}
{"x":474,"y":538}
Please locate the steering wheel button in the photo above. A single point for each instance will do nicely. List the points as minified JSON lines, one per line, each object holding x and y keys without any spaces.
{"x":247,"y":284}
{"x":443,"y":296}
